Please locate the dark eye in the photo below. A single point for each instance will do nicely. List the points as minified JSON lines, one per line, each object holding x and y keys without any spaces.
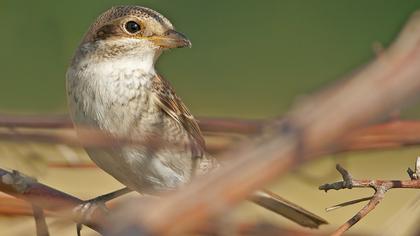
{"x":132,"y":27}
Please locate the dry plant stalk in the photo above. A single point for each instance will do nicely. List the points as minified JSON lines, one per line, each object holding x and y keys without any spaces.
{"x":47,"y":198}
{"x":380,"y":187}
{"x":40,"y":223}
{"x":62,"y":204}
{"x":217,"y":125}
{"x":391,"y":134}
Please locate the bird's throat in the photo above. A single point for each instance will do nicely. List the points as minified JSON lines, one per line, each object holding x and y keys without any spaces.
{"x":118,"y":55}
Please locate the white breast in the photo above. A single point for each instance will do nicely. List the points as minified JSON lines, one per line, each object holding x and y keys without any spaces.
{"x":101,"y":92}
{"x":114,"y":95}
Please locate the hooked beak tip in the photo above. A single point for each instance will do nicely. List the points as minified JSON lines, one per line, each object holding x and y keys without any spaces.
{"x":172,"y":39}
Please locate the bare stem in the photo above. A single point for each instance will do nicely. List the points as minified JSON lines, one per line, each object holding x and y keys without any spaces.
{"x":380,"y":187}
{"x":44,"y":197}
{"x":40,"y":223}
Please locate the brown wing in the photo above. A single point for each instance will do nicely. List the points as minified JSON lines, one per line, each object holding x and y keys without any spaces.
{"x":172,"y":105}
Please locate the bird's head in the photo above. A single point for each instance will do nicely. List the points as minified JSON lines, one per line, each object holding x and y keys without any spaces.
{"x":132,"y":31}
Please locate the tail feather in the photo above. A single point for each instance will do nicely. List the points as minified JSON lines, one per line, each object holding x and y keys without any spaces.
{"x":287,"y":209}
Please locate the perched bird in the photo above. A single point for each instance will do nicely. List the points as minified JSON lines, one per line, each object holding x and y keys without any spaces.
{"x":112,"y":85}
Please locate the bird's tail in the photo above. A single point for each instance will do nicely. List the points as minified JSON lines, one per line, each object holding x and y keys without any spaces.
{"x":287,"y":209}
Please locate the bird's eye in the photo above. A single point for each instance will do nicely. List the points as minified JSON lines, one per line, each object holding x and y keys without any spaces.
{"x":132,"y":27}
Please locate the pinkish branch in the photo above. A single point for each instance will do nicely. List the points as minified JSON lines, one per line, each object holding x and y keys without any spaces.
{"x":40,"y":223}
{"x":44,"y":197}
{"x":217,"y":125}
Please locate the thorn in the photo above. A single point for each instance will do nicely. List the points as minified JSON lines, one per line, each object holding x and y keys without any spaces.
{"x":344,"y":204}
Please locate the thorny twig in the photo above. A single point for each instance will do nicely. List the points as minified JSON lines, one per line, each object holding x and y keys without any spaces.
{"x":380,"y":187}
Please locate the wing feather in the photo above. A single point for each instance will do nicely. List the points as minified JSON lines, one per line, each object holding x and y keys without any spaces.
{"x":172,"y":105}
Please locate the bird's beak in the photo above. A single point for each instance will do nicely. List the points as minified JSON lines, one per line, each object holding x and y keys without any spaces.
{"x":171,"y":39}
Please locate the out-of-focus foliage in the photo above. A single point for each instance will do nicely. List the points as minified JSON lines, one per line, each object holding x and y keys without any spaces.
{"x":248,"y":58}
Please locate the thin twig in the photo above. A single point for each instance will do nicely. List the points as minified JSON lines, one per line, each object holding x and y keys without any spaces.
{"x":395,"y":134}
{"x":380,"y":187}
{"x":377,"y":197}
{"x":348,"y":203}
{"x":36,"y":121}
{"x":229,"y":125}
{"x":40,"y":223}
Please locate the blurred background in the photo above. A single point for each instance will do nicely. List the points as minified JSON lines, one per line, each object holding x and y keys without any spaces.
{"x":250,"y":59}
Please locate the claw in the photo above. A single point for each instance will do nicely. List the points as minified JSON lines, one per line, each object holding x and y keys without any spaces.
{"x":84,"y":212}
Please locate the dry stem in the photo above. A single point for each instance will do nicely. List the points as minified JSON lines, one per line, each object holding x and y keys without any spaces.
{"x":380,"y":187}
{"x":44,"y":197}
{"x":40,"y":223}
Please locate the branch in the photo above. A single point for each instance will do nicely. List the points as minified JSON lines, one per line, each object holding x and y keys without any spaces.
{"x":32,"y":121}
{"x":218,"y":125}
{"x":380,"y":187}
{"x":10,"y":206}
{"x":253,"y":229}
{"x":16,"y":207}
{"x":393,"y":134}
{"x":40,"y":223}
{"x":42,"y":196}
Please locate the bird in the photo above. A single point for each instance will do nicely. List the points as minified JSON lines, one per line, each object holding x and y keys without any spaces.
{"x":113,"y":86}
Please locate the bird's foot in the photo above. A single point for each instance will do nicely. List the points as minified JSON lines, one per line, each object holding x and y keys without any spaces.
{"x":84,"y":211}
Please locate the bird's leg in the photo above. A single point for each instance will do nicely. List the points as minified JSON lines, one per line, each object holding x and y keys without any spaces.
{"x":85,"y":209}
